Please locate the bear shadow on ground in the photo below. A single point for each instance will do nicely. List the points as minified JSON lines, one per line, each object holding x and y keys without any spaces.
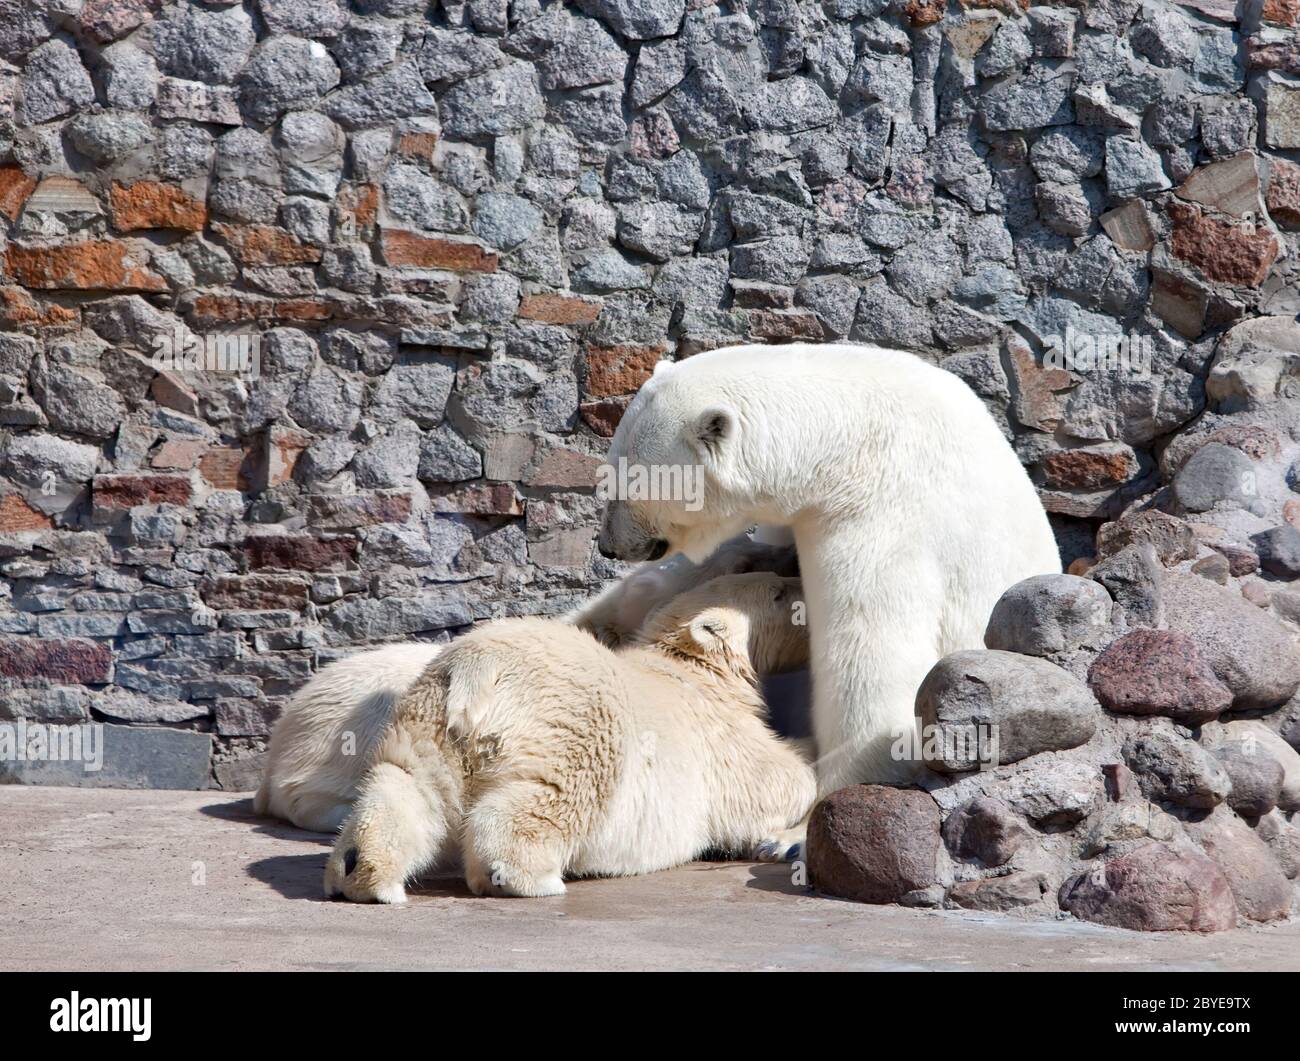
{"x":302,"y":876}
{"x":293,"y":876}
{"x":775,"y":877}
{"x":243,"y":812}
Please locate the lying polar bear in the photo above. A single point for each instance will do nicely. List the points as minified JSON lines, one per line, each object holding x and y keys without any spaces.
{"x":541,"y":754}
{"x":322,"y":744}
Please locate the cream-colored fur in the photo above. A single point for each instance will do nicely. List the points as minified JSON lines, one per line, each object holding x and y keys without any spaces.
{"x":540,"y":754}
{"x":911,"y":513}
{"x":323,"y":742}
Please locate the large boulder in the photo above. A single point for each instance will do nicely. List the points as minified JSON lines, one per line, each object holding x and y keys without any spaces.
{"x":874,"y":843}
{"x":1258,"y":742}
{"x":1249,"y":650}
{"x":1158,"y":672}
{"x":1215,"y":475}
{"x":1173,"y":769}
{"x":1255,"y":775}
{"x":1022,"y":704}
{"x":1048,"y":614}
{"x":1282,"y":835}
{"x":1155,"y":888}
{"x":1261,"y":889}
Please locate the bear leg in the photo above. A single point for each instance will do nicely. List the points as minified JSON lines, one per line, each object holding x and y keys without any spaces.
{"x":397,"y":828}
{"x":515,"y":842}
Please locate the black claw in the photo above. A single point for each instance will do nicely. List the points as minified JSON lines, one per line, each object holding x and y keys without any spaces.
{"x":350,"y":861}
{"x":793,"y":854}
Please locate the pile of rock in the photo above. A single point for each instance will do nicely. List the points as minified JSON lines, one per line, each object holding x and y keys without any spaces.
{"x":1125,"y":748}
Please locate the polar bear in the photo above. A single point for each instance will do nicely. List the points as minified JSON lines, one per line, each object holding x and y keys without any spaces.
{"x":322,"y":743}
{"x":910,"y":511}
{"x":537,"y":753}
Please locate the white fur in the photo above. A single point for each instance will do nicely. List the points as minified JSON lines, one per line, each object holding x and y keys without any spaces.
{"x":321,"y":745}
{"x":536,"y":753}
{"x":910,"y":511}
{"x":324,"y":741}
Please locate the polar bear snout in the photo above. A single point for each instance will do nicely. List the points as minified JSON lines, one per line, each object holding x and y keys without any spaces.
{"x":623,"y":537}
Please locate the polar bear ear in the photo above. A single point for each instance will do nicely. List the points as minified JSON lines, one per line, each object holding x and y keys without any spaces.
{"x":709,"y":632}
{"x":714,"y":428}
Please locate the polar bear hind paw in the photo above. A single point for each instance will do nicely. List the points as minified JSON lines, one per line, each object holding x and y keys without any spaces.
{"x":503,"y":879}
{"x":349,"y":877}
{"x":786,"y":846}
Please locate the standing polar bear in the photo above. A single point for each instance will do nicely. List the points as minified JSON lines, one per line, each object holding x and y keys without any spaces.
{"x":910,"y":512}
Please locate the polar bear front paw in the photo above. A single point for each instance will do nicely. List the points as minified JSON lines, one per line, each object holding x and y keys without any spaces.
{"x":785,"y":846}
{"x":351,"y":876}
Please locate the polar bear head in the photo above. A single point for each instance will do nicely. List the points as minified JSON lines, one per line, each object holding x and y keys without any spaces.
{"x":746,"y":624}
{"x":675,"y":478}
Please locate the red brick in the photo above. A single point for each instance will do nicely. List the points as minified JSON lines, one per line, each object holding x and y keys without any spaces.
{"x":90,"y":265}
{"x":303,"y":309}
{"x":256,"y":592}
{"x":1283,"y":197}
{"x":786,"y":325}
{"x":109,"y":19}
{"x":150,"y":204}
{"x":565,"y":467}
{"x":18,"y":308}
{"x":127,"y":491}
{"x":480,"y":499}
{"x":428,"y":252}
{"x":15,"y":187}
{"x":1081,"y":469}
{"x":297,"y":552}
{"x":925,"y":12}
{"x":603,"y":416}
{"x":17,"y":515}
{"x":177,"y":455}
{"x":1281,"y":12}
{"x":225,"y":308}
{"x":1239,"y":254}
{"x":278,"y":453}
{"x":223,"y":468}
{"x":417,"y":145}
{"x":266,"y":245}
{"x":614,"y":370}
{"x":67,"y":662}
{"x":345,"y":511}
{"x":171,"y":391}
{"x":358,"y":206}
{"x":552,"y":308}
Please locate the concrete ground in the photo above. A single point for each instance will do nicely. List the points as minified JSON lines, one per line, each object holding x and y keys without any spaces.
{"x":113,"y":879}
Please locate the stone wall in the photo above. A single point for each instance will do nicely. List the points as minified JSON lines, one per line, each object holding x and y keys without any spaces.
{"x":463,"y":232}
